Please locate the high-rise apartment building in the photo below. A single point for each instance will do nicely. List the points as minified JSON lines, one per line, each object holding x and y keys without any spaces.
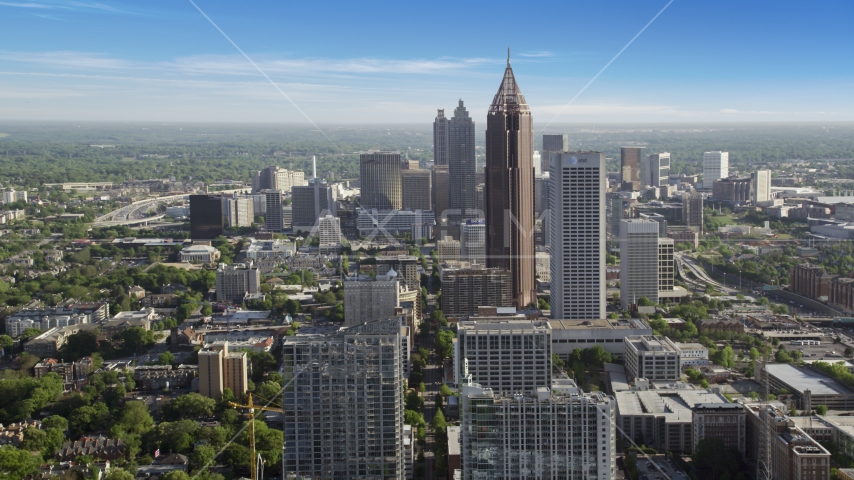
{"x":510,"y":188}
{"x":239,"y":211}
{"x":659,"y":169}
{"x":367,"y":299}
{"x":210,"y":373}
{"x":538,"y":164}
{"x":638,"y":261}
{"x":577,"y":235}
{"x":416,"y":188}
{"x":220,"y":369}
{"x":380,"y":178}
{"x":761,"y":186}
{"x":441,"y":185}
{"x":310,"y":202}
{"x":545,"y":433}
{"x":273,"y":218}
{"x":441,"y":138}
{"x":467,"y":288}
{"x":692,"y":211}
{"x":205,"y":216}
{"x":631,"y":161}
{"x":448,"y":249}
{"x":473,"y":241}
{"x":344,"y":415}
{"x":234,"y":281}
{"x":715,"y":166}
{"x":555,"y":143}
{"x":508,"y":356}
{"x":462,"y":166}
{"x":329,"y":231}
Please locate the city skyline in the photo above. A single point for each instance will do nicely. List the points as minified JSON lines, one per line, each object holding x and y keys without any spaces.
{"x":76,"y":61}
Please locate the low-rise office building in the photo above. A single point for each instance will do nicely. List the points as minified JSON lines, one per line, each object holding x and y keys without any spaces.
{"x":808,"y":387}
{"x":199,"y":254}
{"x":655,"y":358}
{"x":567,"y":335}
{"x":662,"y":418}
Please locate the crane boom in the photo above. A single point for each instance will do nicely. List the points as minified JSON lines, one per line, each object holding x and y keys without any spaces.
{"x":253,"y":468}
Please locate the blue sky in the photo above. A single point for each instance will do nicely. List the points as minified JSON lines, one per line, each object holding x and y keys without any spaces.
{"x":390,"y":62}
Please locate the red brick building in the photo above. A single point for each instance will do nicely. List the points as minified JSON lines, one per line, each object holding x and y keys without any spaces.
{"x":811,"y":281}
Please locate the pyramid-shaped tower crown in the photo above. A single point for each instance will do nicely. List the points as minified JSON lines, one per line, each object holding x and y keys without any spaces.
{"x":509,"y":98}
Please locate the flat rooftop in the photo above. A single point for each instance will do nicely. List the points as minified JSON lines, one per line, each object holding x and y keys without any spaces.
{"x":802,"y":379}
{"x":673,"y":405}
{"x":481,"y":326}
{"x":628,"y":323}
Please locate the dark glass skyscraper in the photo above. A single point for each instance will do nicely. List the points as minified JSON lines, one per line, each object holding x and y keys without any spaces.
{"x":205,"y":216}
{"x":380,"y":177}
{"x":440,"y":138}
{"x":462,"y":166}
{"x":510,"y":188}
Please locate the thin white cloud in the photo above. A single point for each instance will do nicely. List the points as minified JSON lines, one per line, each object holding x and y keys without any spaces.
{"x":728,"y":110}
{"x":537,"y":54}
{"x":235,"y":65}
{"x":66,"y":59}
{"x":27,"y":5}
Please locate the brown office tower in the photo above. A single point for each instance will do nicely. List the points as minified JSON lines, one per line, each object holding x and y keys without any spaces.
{"x":630,"y":163}
{"x":510,"y":188}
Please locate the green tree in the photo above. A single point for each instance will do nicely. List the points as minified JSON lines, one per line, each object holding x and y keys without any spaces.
{"x":713,"y":460}
{"x":444,"y":343}
{"x":16,"y":464}
{"x":690,"y":330}
{"x":192,"y":405}
{"x":268,"y":390}
{"x":6,"y":341}
{"x":135,"y":418}
{"x":202,"y":456}
{"x":414,"y":401}
{"x":166,"y":358}
{"x":118,"y":474}
{"x":821,"y":409}
{"x":438,"y":424}
{"x":175,"y":475}
{"x":137,"y":339}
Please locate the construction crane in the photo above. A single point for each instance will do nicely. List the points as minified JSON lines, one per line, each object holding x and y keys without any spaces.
{"x":253,"y":462}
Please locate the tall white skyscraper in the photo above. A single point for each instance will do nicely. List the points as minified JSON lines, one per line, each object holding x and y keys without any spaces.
{"x":715,"y":166}
{"x":577,"y":235}
{"x":538,"y":163}
{"x":761,"y":185}
{"x":659,"y":169}
{"x":638,"y":261}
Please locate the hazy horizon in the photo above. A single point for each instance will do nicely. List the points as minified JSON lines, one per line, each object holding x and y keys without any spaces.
{"x":398,"y":63}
